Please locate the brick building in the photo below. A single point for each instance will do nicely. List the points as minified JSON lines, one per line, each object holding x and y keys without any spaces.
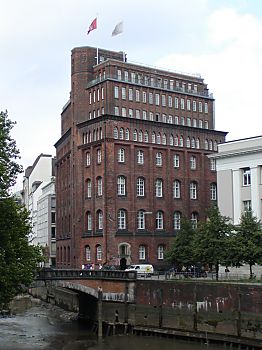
{"x":131,"y":160}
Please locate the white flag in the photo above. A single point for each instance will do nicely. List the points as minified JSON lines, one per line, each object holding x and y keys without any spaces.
{"x":118,"y":29}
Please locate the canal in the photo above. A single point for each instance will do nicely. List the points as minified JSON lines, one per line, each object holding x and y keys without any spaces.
{"x":46,"y":327}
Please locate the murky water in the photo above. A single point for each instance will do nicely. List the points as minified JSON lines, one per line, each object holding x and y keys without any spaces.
{"x":50,"y":328}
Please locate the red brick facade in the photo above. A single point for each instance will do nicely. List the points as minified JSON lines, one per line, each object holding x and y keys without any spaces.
{"x":132,"y":159}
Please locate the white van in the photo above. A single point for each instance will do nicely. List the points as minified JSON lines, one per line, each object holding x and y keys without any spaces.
{"x":141,"y":269}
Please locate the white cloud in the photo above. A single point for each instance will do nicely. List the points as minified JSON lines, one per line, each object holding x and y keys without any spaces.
{"x":232,"y":70}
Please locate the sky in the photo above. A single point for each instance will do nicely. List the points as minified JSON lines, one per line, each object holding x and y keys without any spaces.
{"x":219,"y":39}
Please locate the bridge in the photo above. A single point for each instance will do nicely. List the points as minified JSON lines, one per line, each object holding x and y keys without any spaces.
{"x":224,"y":311}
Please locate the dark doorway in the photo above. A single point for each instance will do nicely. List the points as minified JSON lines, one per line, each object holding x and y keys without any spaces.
{"x":123,"y":263}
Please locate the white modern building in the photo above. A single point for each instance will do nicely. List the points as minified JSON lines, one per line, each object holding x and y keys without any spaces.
{"x":239,"y":177}
{"x":38,"y":196}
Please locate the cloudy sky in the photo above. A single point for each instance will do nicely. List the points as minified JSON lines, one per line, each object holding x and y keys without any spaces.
{"x":220,"y":39}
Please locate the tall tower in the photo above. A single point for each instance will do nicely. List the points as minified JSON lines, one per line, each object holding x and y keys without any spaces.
{"x":131,"y":160}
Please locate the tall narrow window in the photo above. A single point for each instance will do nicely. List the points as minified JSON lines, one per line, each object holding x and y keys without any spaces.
{"x":135,"y":135}
{"x":99,"y":156}
{"x":100,"y":219}
{"x":99,"y":186}
{"x":193,"y":162}
{"x":176,"y":160}
{"x":121,"y":134}
{"x":177,"y":220}
{"x":141,"y":220}
{"x":89,"y":188}
{"x":87,"y":253}
{"x":140,"y":157}
{"x":98,"y":252}
{"x":246,"y":177}
{"x":121,"y":186}
{"x":88,"y":159}
{"x":88,"y":221}
{"x":159,"y":220}
{"x":142,"y":252}
{"x":115,"y":133}
{"x":194,"y":220}
{"x":159,"y":159}
{"x":127,"y":134}
{"x":121,"y":155}
{"x":116,"y":92}
{"x":121,"y":219}
{"x":140,"y":187}
{"x":160,"y":252}
{"x":176,"y":189}
{"x":159,"y":188}
{"x":193,"y":190}
{"x":213,"y":192}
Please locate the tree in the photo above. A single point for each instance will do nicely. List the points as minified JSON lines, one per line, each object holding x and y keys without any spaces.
{"x":248,"y":240}
{"x":211,"y":243}
{"x":18,"y":259}
{"x":9,"y":154}
{"x":181,"y":252}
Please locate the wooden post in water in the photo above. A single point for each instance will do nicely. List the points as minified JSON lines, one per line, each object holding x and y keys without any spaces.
{"x":100,"y":320}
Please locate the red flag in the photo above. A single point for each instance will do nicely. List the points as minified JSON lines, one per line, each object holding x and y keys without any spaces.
{"x":92,"y":26}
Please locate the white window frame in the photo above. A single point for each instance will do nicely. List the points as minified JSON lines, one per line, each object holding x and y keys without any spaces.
{"x":140,"y":187}
{"x":140,"y":157}
{"x":121,"y":155}
{"x":193,"y":190}
{"x":159,"y":160}
{"x":159,"y":188}
{"x":142,"y":252}
{"x":176,"y":189}
{"x":159,"y":220}
{"x":121,"y":185}
{"x":99,"y":186}
{"x":160,"y":252}
{"x":176,"y":160}
{"x":121,"y":219}
{"x":141,"y":224}
{"x":177,"y":220}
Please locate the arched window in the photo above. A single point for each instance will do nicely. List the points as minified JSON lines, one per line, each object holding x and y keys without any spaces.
{"x":160,"y":252}
{"x":176,"y":189}
{"x":146,"y":136}
{"x":98,"y":252}
{"x":181,"y":141}
{"x":99,"y":156}
{"x":213,"y":192}
{"x":171,"y":140}
{"x":141,"y":225}
{"x":99,"y":186}
{"x":164,"y":139}
{"x":94,"y":135}
{"x":142,"y":252}
{"x":89,"y":221}
{"x":89,"y":188}
{"x":193,"y":190}
{"x":140,"y":136}
{"x":159,"y":220}
{"x":115,"y":133}
{"x":176,"y":141}
{"x":177,"y":220}
{"x":159,"y":159}
{"x":135,"y":135}
{"x":215,"y":145}
{"x":140,"y":187}
{"x":211,"y":145}
{"x":127,"y":134}
{"x":206,"y":144}
{"x":159,"y":188}
{"x":153,"y":137}
{"x":87,"y":253}
{"x":121,"y":134}
{"x":121,"y":219}
{"x":193,"y":143}
{"x":100,"y":220}
{"x":194,"y":220}
{"x":192,"y":162}
{"x":140,"y":157}
{"x":158,"y":139}
{"x":188,"y":142}
{"x":88,"y":159}
{"x":197,"y":143}
{"x":121,"y":186}
{"x":121,"y":155}
{"x":90,"y":136}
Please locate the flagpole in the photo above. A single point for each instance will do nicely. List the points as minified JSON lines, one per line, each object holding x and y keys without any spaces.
{"x":97,"y":55}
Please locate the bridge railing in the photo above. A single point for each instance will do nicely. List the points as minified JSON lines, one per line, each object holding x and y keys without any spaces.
{"x":59,"y":274}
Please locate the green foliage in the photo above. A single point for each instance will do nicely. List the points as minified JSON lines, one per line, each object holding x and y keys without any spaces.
{"x":248,"y":240}
{"x":9,"y":169}
{"x":182,"y":249}
{"x":18,"y":259}
{"x":212,"y":240}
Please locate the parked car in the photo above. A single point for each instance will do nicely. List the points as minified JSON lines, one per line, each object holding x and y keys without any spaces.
{"x":142,"y":269}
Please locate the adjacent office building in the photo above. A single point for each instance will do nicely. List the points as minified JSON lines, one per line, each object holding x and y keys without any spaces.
{"x":131,"y":160}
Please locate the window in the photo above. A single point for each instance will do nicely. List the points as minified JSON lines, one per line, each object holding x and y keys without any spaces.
{"x":146,"y":136}
{"x":137,"y":96}
{"x":87,"y":253}
{"x":144,"y":115}
{"x":170,"y":101}
{"x":88,"y":159}
{"x":176,"y":102}
{"x":213,"y":192}
{"x":171,"y":140}
{"x":176,"y":160}
{"x":157,"y":99}
{"x":182,"y":120}
{"x":135,"y":135}
{"x":188,"y":105}
{"x":164,"y":139}
{"x":200,"y":123}
{"x":188,"y":143}
{"x":121,"y":155}
{"x":142,"y":252}
{"x":100,"y":219}
{"x":158,"y":138}
{"x":206,"y":124}
{"x":140,"y":136}
{"x":102,"y":93}
{"x":130,"y":112}
{"x":200,"y":108}
{"x":159,"y":188}
{"x":121,"y":134}
{"x":125,"y":75}
{"x":153,"y":137}
{"x":53,"y":221}
{"x":140,"y":157}
{"x":193,"y":162}
{"x":159,"y":159}
{"x":194,"y":106}
{"x":121,"y":219}
{"x":123,"y":93}
{"x":176,"y":141}
{"x":115,"y":132}
{"x":121,"y":186}
{"x":194,"y":219}
{"x":130,"y":94}
{"x":116,"y":92}
{"x":181,"y":141}
{"x":99,"y":186}
{"x":99,"y":156}
{"x":194,"y":122}
{"x":160,"y":252}
{"x":159,"y":220}
{"x":140,"y":187}
{"x":212,"y":164}
{"x":116,"y":110}
{"x":89,"y":221}
{"x":193,"y":190}
{"x":206,"y":144}
{"x":127,"y":134}
{"x":144,"y":96}
{"x":206,"y":107}
{"x":123,"y":111}
{"x":98,"y":252}
{"x":197,"y":143}
{"x":163,"y":100}
{"x":141,"y":220}
{"x":119,"y":74}
{"x":247,"y":205}
{"x":182,"y":103}
{"x":246,"y":177}
{"x":89,"y":188}
{"x":150,"y":98}
{"x":193,"y":143}
{"x":177,"y":220}
{"x":176,"y":189}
